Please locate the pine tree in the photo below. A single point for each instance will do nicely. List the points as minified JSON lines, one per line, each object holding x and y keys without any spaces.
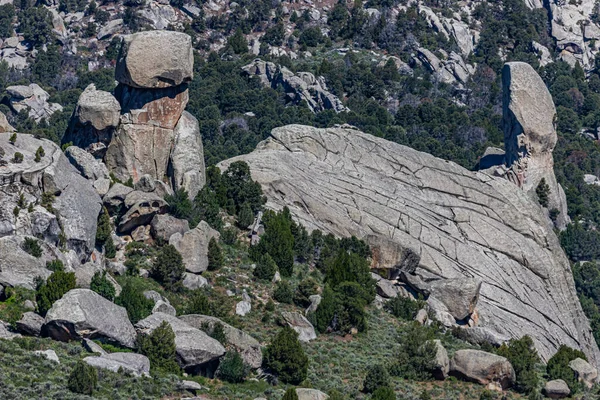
{"x":246,"y":216}
{"x":83,"y":379}
{"x":290,"y":394}
{"x":101,"y":285}
{"x":278,"y":242}
{"x":168,"y":268}
{"x":265,"y":269}
{"x":215,"y":255}
{"x":57,"y":284}
{"x":159,"y":347}
{"x":283,"y":292}
{"x":232,"y":368}
{"x":13,"y":138}
{"x":133,"y":300}
{"x":285,"y":357}
{"x":543,"y":192}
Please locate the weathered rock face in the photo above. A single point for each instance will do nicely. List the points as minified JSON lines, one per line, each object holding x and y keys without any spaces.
{"x":193,"y":346}
{"x":584,"y":372}
{"x":155,"y":59}
{"x":310,"y":394}
{"x":187,"y":157}
{"x":246,"y":345}
{"x":456,"y":224}
{"x":299,"y":87}
{"x":557,"y":389}
{"x":32,"y":99}
{"x":299,"y":323}
{"x":98,"y":108}
{"x":482,"y":367}
{"x":82,"y":313}
{"x":193,"y":246}
{"x":30,"y":324}
{"x":19,"y":268}
{"x":75,"y":201}
{"x":530,"y":135}
{"x":165,"y":226}
{"x":137,"y":364}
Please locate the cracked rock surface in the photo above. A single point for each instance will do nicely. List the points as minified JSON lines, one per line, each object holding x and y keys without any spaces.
{"x":462,"y":224}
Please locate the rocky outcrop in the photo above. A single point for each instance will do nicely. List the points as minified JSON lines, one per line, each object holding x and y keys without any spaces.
{"x":193,"y":346}
{"x":310,"y":394}
{"x":136,"y":364}
{"x":482,"y":367}
{"x":187,"y":157}
{"x":32,"y":99}
{"x":165,"y":226}
{"x":243,"y":343}
{"x":193,"y":246}
{"x":4,"y":125}
{"x":71,"y":202}
{"x":434,"y":220}
{"x":299,"y":87}
{"x":584,"y":372}
{"x":530,"y":135}
{"x":82,"y":313}
{"x":155,"y":59}
{"x":458,"y":30}
{"x":299,"y":323}
{"x":451,"y":69}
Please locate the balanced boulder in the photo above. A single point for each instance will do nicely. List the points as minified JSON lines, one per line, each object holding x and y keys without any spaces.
{"x":83,"y":313}
{"x":482,"y":367}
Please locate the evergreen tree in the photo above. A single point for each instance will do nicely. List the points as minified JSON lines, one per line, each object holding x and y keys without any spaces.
{"x":159,"y":347}
{"x":285,"y":357}
{"x":101,"y":285}
{"x":278,"y":242}
{"x":133,"y":300}
{"x":327,"y":309}
{"x":384,"y":393}
{"x":168,"y":268}
{"x":290,"y":394}
{"x":522,"y":355}
{"x":265,"y":268}
{"x":232,"y":368}
{"x":83,"y":379}
{"x":237,"y":42}
{"x":305,"y":289}
{"x":377,"y":376}
{"x":558,"y":366}
{"x":198,"y":303}
{"x":543,"y":191}
{"x":246,"y":216}
{"x":215,"y":255}
{"x":283,"y":292}
{"x":57,"y":284}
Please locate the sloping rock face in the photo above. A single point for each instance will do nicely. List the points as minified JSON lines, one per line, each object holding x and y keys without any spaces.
{"x":299,"y":87}
{"x":434,"y":219}
{"x":32,"y":99}
{"x":76,"y":204}
{"x":530,"y":134}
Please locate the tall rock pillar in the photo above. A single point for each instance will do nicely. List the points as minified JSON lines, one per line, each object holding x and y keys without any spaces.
{"x":153,"y":71}
{"x":529,"y":134}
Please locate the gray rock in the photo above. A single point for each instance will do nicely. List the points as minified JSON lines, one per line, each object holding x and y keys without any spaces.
{"x":584,"y":371}
{"x":529,"y":134}
{"x":187,"y":157}
{"x":102,"y":186}
{"x":163,"y":227}
{"x":86,"y":164}
{"x":93,"y":347}
{"x":48,"y":354}
{"x":82,"y":313}
{"x":142,"y":207}
{"x":30,"y":324}
{"x":164,"y":307}
{"x":461,"y":224}
{"x":111,"y":27}
{"x":482,"y":367}
{"x":246,"y":345}
{"x":155,"y":59}
{"x":315,"y":300}
{"x":18,"y":268}
{"x":296,"y":321}
{"x":6,"y":332}
{"x":422,"y":316}
{"x":458,"y":295}
{"x":145,"y":184}
{"x":557,"y":389}
{"x":386,"y":288}
{"x":441,"y":366}
{"x":193,"y":281}
{"x":193,"y":346}
{"x":310,"y":394}
{"x":4,"y":125}
{"x":193,"y":246}
{"x":28,"y":304}
{"x":137,"y":364}
{"x":154,"y":296}
{"x":32,"y":99}
{"x":242,"y":308}
{"x":98,"y":108}
{"x":191,"y":386}
{"x":115,"y":197}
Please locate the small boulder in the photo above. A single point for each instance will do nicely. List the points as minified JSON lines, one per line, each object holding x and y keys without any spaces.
{"x":557,"y":389}
{"x":441,"y":361}
{"x":243,"y":307}
{"x":115,"y":196}
{"x":193,"y":246}
{"x":30,"y":324}
{"x":310,"y":394}
{"x":482,"y":367}
{"x":193,"y":281}
{"x":48,"y":354}
{"x":162,"y":306}
{"x":296,"y":321}
{"x":137,"y":364}
{"x":194,"y":347}
{"x":164,"y":226}
{"x":6,"y":331}
{"x":145,"y":184}
{"x":458,"y":295}
{"x":83,"y":313}
{"x":315,"y":300}
{"x":422,"y":316}
{"x":190,"y":386}
{"x":142,"y":207}
{"x":98,"y":108}
{"x":584,"y":371}
{"x":93,"y":347}
{"x":89,"y":167}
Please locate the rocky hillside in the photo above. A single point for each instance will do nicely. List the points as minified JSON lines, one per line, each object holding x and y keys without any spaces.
{"x":299,"y":199}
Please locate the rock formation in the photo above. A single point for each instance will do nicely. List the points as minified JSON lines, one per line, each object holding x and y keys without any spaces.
{"x":530,"y":135}
{"x":32,"y":99}
{"x":434,"y":220}
{"x":299,"y":87}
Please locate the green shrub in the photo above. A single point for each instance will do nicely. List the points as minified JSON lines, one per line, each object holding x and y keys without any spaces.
{"x":101,"y":285}
{"x":168,"y":268}
{"x":543,"y":191}
{"x":283,"y":292}
{"x":57,"y":284}
{"x":229,"y":236}
{"x":290,"y":394}
{"x":13,"y":138}
{"x":522,"y":355}
{"x":103,"y":234}
{"x":198,"y":303}
{"x":377,"y":376}
{"x":404,"y":307}
{"x":265,"y":269}
{"x":335,"y":395}
{"x":215,"y":255}
{"x":285,"y":357}
{"x":17,"y":158}
{"x":55,"y":265}
{"x":159,"y":347}
{"x":232,"y":368}
{"x":132,"y":298}
{"x":326,"y":310}
{"x":416,"y":354}
{"x":305,"y":289}
{"x":558,"y":366}
{"x":83,"y":379}
{"x":32,"y":246}
{"x":384,"y":393}
{"x":277,"y":241}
